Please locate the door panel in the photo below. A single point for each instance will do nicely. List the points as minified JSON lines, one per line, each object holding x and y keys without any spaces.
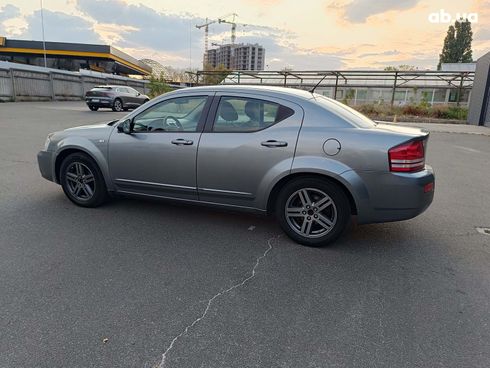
{"x":159,"y":158}
{"x":235,"y":167}
{"x":135,"y":99}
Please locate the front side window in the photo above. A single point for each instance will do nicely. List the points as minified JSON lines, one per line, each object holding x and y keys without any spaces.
{"x":238,"y":114}
{"x":176,"y":115}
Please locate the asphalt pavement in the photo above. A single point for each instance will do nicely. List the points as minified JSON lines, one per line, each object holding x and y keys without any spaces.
{"x":117,"y":286}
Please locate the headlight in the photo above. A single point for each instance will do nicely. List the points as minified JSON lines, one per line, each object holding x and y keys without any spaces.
{"x":48,"y":141}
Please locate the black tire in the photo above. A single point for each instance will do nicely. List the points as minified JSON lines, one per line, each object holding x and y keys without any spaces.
{"x":93,"y":108}
{"x":317,"y":189}
{"x":98,"y":187}
{"x":117,"y":105}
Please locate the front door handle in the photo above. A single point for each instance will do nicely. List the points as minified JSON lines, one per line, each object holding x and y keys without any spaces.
{"x":182,"y":142}
{"x":274,"y":143}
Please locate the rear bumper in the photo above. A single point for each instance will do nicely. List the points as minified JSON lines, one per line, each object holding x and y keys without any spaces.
{"x":99,"y":101}
{"x":45,"y":162}
{"x":396,"y":196}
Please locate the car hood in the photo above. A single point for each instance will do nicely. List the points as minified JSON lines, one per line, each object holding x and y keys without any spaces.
{"x":100,"y":131}
{"x":106,"y":125}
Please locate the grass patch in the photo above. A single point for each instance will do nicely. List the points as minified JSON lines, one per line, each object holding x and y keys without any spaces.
{"x":408,"y":112}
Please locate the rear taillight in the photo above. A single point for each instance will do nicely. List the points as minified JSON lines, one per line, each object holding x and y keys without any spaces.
{"x":407,"y":157}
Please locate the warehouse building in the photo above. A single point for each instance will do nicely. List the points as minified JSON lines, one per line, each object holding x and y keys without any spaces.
{"x":479,"y":111}
{"x":71,"y":56}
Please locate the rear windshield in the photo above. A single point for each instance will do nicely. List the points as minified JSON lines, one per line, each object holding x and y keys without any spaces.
{"x":101,"y":88}
{"x":344,"y":111}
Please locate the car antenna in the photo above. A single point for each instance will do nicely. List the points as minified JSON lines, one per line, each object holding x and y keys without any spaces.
{"x":316,"y":85}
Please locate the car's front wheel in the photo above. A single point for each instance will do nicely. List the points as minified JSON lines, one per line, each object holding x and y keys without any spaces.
{"x":312,"y":211}
{"x":82,"y":180}
{"x":93,"y":108}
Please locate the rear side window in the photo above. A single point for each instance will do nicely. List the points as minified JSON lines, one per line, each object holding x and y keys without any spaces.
{"x":239,"y":114}
{"x":345,"y":112}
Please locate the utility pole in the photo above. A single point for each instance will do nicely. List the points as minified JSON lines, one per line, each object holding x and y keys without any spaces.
{"x":44,"y":41}
{"x":190,"y":44}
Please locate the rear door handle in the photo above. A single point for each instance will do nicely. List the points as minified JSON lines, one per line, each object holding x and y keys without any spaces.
{"x":274,"y":143}
{"x":182,"y":142}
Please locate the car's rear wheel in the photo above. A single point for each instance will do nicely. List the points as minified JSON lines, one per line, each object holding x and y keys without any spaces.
{"x":117,"y":105}
{"x":82,"y":180}
{"x":93,"y":108}
{"x":312,"y":211}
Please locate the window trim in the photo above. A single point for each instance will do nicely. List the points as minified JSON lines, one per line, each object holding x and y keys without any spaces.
{"x":202,"y":119}
{"x":213,"y":114}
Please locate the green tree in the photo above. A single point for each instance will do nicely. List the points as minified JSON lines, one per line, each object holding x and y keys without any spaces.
{"x":403,"y":67}
{"x":158,"y":85}
{"x":217,"y":75}
{"x":464,"y":36}
{"x":457,"y":44}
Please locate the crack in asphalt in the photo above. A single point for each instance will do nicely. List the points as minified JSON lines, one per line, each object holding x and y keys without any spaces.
{"x":216,"y":296}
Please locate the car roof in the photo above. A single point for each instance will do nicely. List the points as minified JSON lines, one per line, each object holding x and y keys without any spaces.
{"x":110,"y":86}
{"x":264,"y":90}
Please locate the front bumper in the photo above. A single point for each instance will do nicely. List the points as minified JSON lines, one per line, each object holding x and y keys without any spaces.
{"x":45,"y":162}
{"x":397,"y":196}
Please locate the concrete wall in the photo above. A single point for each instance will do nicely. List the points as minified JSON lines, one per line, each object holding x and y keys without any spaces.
{"x":479,"y":110}
{"x":30,"y":83}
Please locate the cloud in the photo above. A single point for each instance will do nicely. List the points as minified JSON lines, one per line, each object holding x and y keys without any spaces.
{"x":148,"y":28}
{"x":60,"y":26}
{"x":357,"y":11}
{"x":483,"y":34}
{"x":7,"y":13}
{"x":165,"y":37}
{"x":384,"y":53}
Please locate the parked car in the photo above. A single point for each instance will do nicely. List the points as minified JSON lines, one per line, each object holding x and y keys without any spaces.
{"x":310,"y":160}
{"x":119,"y":98}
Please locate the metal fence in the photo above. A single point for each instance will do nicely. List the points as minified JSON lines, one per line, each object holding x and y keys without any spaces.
{"x":27,"y":83}
{"x":360,"y":86}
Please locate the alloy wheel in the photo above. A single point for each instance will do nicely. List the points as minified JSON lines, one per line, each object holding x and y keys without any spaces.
{"x":80,"y":181}
{"x":311,"y":212}
{"x":118,"y":105}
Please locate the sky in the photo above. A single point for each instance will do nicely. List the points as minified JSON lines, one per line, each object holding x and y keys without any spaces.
{"x":302,"y":35}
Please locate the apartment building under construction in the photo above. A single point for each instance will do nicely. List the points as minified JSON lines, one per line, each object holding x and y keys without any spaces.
{"x":237,"y":57}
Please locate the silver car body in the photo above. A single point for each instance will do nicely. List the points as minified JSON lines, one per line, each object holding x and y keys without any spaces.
{"x":237,"y":170}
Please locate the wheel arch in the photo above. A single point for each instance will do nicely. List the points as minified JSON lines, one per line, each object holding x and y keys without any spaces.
{"x":283,"y":181}
{"x":66,"y":151}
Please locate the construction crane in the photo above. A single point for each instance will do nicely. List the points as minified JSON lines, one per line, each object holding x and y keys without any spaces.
{"x":233,"y":25}
{"x":206,"y":36}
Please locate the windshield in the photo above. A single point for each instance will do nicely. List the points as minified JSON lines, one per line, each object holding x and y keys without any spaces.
{"x":344,"y":111}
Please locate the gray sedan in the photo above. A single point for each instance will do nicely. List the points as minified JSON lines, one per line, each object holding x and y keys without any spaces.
{"x":311,"y":161}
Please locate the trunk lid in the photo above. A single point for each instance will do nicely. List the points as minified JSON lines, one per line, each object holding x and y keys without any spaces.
{"x":99,"y":92}
{"x":410,"y":132}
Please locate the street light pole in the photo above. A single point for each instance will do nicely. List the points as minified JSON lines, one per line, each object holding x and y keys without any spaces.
{"x":44,"y":41}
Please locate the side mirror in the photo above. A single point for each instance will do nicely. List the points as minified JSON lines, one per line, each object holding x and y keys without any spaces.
{"x":138,"y":94}
{"x":125,"y":127}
